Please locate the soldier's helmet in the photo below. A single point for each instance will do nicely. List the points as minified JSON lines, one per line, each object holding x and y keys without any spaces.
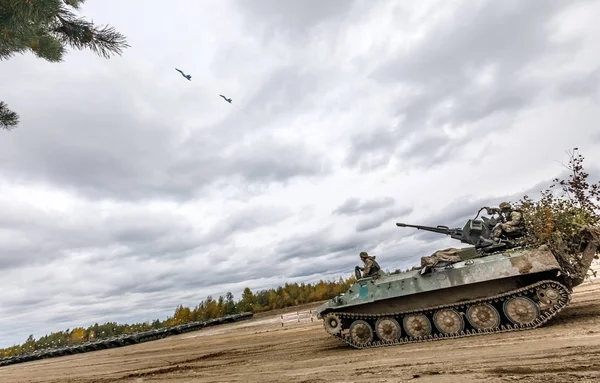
{"x":363,"y":254}
{"x":504,"y":206}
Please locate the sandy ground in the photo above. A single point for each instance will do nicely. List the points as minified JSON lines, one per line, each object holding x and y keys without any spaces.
{"x":261,"y":350}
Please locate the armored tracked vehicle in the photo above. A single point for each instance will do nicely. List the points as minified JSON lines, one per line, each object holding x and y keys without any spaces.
{"x":480,"y":289}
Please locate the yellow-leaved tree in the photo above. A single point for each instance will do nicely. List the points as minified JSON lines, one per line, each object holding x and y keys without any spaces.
{"x":78,"y":335}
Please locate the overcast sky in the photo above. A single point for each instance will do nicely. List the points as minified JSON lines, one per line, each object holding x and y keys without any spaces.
{"x":128,"y":190}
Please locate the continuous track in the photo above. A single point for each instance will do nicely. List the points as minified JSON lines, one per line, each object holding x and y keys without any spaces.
{"x":541,"y":301}
{"x":124,"y":340}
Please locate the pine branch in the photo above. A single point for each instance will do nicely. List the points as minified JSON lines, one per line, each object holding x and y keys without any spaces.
{"x":24,"y":26}
{"x":21,"y":14}
{"x":82,"y":34}
{"x":8,"y":118}
{"x":45,"y":27}
{"x":74,"y":3}
{"x":48,"y":48}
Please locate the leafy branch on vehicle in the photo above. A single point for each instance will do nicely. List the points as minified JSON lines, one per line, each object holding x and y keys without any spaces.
{"x":566,"y":217}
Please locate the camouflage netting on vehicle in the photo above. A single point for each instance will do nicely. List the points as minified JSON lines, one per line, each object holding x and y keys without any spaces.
{"x":574,"y":264}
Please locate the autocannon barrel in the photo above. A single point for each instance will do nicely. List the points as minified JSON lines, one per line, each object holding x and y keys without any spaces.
{"x":438,"y":229}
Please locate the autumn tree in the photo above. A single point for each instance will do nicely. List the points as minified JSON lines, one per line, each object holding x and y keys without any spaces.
{"x":182,"y":315}
{"x":46,"y":27}
{"x":78,"y":335}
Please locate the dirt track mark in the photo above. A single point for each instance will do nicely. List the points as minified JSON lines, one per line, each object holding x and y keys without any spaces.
{"x":212,"y":355}
{"x":547,"y":368}
{"x":339,"y":347}
{"x":158,"y":371}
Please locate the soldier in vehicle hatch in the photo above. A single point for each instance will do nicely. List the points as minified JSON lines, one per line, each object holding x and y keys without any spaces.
{"x":371,"y":268}
{"x":511,"y":220}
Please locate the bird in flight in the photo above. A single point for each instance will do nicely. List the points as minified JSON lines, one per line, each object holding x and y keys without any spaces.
{"x":188,"y":76}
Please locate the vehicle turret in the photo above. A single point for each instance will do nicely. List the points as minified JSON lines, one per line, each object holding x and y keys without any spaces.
{"x":475,"y":232}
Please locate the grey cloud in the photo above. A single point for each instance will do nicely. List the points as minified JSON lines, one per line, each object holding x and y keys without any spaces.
{"x":164,"y":281}
{"x":24,"y":303}
{"x":319,"y":243}
{"x":428,"y":151}
{"x":356,"y":206}
{"x":132,"y":232}
{"x":368,"y":225}
{"x":273,"y":160}
{"x":289,"y":19}
{"x":285,"y":90}
{"x":229,"y":265}
{"x":53,"y":236}
{"x":378,"y":143}
{"x":149,"y":287}
{"x":150,"y":234}
{"x":443,"y":67}
{"x":580,"y":86}
{"x":340,"y":265}
{"x":379,"y":219}
{"x":482,"y":39}
{"x":110,"y":151}
{"x":247,"y":220}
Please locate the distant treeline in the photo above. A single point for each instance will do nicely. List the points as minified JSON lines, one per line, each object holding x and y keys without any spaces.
{"x":291,"y":294}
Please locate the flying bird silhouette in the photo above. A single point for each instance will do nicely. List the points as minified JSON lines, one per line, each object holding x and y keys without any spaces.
{"x":188,"y":76}
{"x":226,"y":99}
